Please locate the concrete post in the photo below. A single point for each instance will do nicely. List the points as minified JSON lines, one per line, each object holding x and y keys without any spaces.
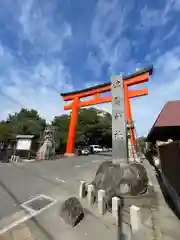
{"x":90,"y":194}
{"x":82,"y":189}
{"x":101,"y":201}
{"x":116,"y":204}
{"x":119,"y":128}
{"x":12,"y":157}
{"x":135,"y":219}
{"x":17,"y":159}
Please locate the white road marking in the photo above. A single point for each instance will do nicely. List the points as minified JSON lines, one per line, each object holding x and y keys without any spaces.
{"x":60,"y":180}
{"x":82,"y":165}
{"x":96,"y":161}
{"x":24,"y":205}
{"x":14,"y":224}
{"x":26,"y":215}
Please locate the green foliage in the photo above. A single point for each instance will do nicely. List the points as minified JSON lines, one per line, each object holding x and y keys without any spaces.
{"x":93,"y":127}
{"x":24,"y":122}
{"x":4,"y":131}
{"x":141,"y":143}
{"x":62,"y":127}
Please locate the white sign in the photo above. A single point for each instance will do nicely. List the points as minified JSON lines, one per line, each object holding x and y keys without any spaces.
{"x":23,"y":144}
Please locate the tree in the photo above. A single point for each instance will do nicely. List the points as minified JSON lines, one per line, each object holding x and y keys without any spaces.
{"x":106,"y":129}
{"x":61,"y":124}
{"x":141,"y":144}
{"x":87,"y":122}
{"x":5,"y":131}
{"x":27,"y":122}
{"x":94,"y":127}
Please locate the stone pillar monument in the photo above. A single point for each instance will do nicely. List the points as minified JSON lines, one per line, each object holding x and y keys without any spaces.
{"x":119,"y":128}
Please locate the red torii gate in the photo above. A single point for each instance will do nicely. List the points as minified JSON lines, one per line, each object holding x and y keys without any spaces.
{"x":134,"y":79}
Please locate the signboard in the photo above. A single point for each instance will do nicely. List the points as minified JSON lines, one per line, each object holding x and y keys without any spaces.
{"x":23,"y":144}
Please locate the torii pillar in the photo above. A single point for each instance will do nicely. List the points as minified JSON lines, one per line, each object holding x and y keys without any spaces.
{"x":133,"y":79}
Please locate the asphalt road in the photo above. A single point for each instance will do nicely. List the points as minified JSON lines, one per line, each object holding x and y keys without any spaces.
{"x":20,"y":182}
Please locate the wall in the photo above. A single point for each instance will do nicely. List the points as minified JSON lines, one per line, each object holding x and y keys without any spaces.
{"x":175,"y":198}
{"x":170,"y":163}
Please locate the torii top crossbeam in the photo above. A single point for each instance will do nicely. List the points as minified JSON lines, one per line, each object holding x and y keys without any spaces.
{"x":138,"y":77}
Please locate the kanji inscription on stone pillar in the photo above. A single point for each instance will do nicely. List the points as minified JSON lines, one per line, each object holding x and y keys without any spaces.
{"x":119,"y":129}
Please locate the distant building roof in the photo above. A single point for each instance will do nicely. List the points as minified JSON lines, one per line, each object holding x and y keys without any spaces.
{"x":167,"y":124}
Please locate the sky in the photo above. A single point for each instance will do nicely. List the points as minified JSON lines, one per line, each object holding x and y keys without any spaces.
{"x":49,"y":47}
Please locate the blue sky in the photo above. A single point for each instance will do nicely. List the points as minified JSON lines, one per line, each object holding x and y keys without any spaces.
{"x":48,"y":47}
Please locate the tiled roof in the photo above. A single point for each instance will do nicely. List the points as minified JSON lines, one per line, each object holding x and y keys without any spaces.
{"x":167,"y":124}
{"x":170,"y":115}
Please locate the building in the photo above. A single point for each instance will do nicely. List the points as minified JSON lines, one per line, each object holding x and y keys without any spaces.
{"x":165,"y":132}
{"x":167,"y":124}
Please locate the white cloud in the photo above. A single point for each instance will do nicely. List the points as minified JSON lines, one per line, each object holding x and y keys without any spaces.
{"x":151,"y":17}
{"x":163,"y":86}
{"x":39,"y":90}
{"x":35,"y":82}
{"x":94,"y":64}
{"x":107,"y":35}
{"x":171,"y":33}
{"x":67,"y":30}
{"x":162,"y":36}
{"x":39,"y":27}
{"x":176,"y":4}
{"x":158,"y":17}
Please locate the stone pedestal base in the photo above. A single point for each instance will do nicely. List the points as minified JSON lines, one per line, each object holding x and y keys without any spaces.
{"x":120,"y":162}
{"x":69,"y":154}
